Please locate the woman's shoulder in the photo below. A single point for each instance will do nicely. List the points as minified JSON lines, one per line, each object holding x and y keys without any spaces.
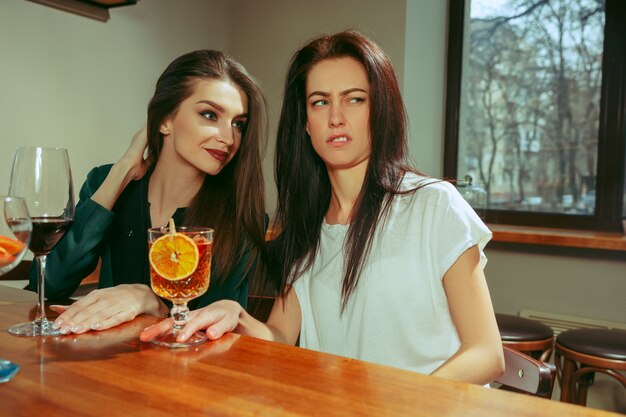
{"x":438,"y":201}
{"x":413,"y":182}
{"x":423,"y":193}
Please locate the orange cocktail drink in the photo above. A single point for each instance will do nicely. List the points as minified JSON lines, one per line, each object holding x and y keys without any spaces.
{"x":188,"y":288}
{"x":180,"y":270}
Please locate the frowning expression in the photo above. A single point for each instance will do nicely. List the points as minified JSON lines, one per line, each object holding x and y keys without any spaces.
{"x":338,"y":112}
{"x":207,"y":129}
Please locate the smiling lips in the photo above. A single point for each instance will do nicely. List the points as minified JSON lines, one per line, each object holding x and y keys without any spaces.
{"x":217,"y":154}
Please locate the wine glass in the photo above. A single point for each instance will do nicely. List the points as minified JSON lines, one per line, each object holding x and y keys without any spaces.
{"x":42,"y":176}
{"x":15,"y":231}
{"x":176,"y":276}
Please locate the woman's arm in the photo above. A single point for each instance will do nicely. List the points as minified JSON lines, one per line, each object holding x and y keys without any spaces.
{"x":131,"y":166}
{"x":480,"y":358}
{"x":226,"y":316}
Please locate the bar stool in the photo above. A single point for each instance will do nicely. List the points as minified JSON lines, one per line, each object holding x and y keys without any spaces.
{"x":527,"y":336}
{"x":580,"y":353}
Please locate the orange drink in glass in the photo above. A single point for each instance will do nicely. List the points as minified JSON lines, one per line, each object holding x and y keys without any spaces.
{"x":180,"y":270}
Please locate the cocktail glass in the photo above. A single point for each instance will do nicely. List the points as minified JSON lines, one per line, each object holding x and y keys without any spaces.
{"x":174,"y":278}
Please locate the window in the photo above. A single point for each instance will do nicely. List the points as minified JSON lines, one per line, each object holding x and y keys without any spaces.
{"x":536,"y":109}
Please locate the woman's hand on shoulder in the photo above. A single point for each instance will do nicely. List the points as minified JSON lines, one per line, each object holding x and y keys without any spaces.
{"x":108,"y":307}
{"x":218,"y":318}
{"x":133,"y":159}
{"x":131,"y":166}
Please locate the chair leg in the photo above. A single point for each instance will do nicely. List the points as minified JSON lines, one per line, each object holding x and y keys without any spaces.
{"x":545,"y":355}
{"x":579,"y":385}
{"x":568,"y":367}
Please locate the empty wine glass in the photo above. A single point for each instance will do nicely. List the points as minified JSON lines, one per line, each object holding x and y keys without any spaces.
{"x":15,"y":231}
{"x":42,"y":176}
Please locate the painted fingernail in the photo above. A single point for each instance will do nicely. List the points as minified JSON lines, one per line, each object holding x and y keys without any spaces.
{"x":76,"y":328}
{"x":181,"y":337}
{"x":212,"y":333}
{"x":96,"y":326}
{"x":57,"y":324}
{"x":65,"y":330}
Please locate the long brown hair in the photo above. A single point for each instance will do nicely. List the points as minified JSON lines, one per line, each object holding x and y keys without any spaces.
{"x":304,"y":188}
{"x":233,"y":201}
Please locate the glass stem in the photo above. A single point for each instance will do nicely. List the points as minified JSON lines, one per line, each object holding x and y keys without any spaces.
{"x":40,"y":316}
{"x":179,"y":314}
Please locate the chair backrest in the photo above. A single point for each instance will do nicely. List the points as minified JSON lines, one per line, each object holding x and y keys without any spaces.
{"x":525,"y":374}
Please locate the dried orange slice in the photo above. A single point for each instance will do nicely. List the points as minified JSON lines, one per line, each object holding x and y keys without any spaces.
{"x":6,"y":259}
{"x":8,"y":249}
{"x":174,"y":256}
{"x":10,"y":246}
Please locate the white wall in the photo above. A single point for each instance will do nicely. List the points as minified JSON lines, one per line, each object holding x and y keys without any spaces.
{"x":424,"y":81}
{"x":78,"y":83}
{"x":575,"y":285}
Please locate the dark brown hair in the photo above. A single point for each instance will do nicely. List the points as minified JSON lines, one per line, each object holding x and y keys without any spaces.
{"x":233,"y":201}
{"x":304,"y":189}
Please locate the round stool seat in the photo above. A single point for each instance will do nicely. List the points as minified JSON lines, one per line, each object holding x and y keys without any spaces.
{"x":581,"y":353}
{"x":601,"y":343}
{"x":520,"y":329}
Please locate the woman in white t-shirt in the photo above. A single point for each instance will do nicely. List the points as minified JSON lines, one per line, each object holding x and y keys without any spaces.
{"x":374,"y":260}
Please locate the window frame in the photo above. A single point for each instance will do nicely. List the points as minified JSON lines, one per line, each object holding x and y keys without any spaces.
{"x":611,"y":168}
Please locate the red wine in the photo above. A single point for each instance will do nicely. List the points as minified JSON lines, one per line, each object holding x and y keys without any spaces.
{"x":47,"y":231}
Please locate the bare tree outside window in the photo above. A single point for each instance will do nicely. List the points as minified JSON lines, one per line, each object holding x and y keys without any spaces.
{"x":530,"y":110}
{"x":526,"y":122}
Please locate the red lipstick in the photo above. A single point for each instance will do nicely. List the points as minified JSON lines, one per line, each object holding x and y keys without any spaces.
{"x":217,"y":154}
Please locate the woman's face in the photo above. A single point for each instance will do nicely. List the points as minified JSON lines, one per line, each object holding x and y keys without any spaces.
{"x":338,"y":112}
{"x":206,"y":130}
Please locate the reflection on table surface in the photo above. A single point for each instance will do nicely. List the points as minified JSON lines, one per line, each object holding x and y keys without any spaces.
{"x":112,"y":373}
{"x":10,"y":295}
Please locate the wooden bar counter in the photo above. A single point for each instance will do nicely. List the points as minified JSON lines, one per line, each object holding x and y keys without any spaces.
{"x":111,"y":373}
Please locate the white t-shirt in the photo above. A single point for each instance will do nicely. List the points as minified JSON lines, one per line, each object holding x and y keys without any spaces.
{"x":398,"y":314}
